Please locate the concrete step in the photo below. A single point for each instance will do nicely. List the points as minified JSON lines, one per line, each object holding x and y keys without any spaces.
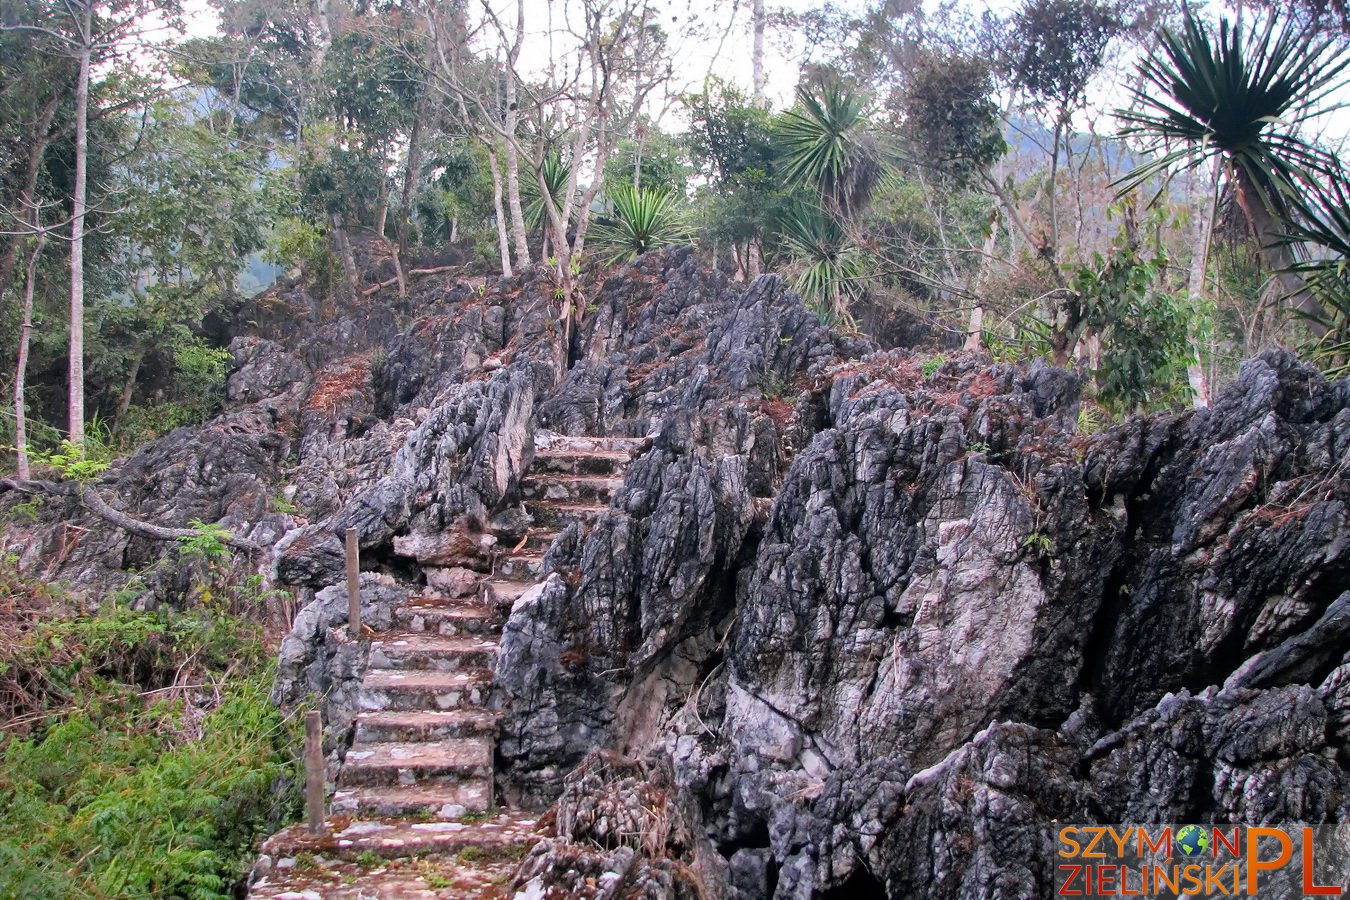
{"x":395,"y":764}
{"x":503,"y":592}
{"x":571,"y":488}
{"x":410,"y":690}
{"x":559,"y":515}
{"x":434,"y":652}
{"x":437,"y":800}
{"x":431,"y":615}
{"x":519,"y":566}
{"x":580,"y":462}
{"x":424,"y":725}
{"x":505,"y":833}
{"x":554,"y":442}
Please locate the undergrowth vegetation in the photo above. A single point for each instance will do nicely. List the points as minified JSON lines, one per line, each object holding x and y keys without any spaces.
{"x":139,"y":755}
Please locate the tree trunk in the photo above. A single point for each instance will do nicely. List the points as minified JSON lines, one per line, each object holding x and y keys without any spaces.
{"x":342,"y":243}
{"x":1051,"y":247}
{"x":382,"y":209}
{"x":21,"y":367}
{"x":511,"y":123}
{"x":519,"y":234}
{"x":975,"y":325}
{"x":759,"y":79}
{"x":603,"y":148}
{"x":503,"y":243}
{"x":75,"y":405}
{"x":1204,"y":226}
{"x":37,"y":148}
{"x":639,"y":147}
{"x":1284,"y":287}
{"x":975,"y":330}
{"x":128,"y":390}
{"x":398,"y":274}
{"x":410,"y":178}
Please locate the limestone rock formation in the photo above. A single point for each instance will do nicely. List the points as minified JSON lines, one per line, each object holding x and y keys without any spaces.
{"x":835,"y":621}
{"x":964,"y":622}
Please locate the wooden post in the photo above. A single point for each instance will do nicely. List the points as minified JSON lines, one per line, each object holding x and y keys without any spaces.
{"x":353,"y":586}
{"x":314,"y":772}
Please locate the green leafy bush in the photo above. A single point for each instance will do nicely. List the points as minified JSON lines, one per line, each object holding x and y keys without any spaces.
{"x":1145,"y":347}
{"x":117,"y":800}
{"x":140,"y":754}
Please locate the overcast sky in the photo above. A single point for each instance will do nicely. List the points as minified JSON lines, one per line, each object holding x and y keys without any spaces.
{"x":713,"y":37}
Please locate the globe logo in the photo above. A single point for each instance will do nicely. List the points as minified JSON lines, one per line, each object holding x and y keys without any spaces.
{"x":1192,"y":840}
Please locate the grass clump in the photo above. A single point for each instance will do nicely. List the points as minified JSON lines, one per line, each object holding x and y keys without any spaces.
{"x":139,"y":753}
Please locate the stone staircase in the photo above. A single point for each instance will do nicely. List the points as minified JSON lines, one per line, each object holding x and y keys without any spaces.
{"x":418,"y":778}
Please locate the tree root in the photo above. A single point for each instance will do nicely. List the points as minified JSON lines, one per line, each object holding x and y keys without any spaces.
{"x":92,"y":501}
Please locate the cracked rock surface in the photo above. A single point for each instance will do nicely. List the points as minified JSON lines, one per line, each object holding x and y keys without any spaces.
{"x":844,"y":624}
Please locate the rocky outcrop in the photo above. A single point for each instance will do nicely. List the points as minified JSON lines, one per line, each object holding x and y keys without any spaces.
{"x":321,"y":667}
{"x":965,"y":621}
{"x":854,"y":622}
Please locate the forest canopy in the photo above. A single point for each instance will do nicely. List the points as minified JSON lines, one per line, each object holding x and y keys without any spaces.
{"x":1062,"y":178}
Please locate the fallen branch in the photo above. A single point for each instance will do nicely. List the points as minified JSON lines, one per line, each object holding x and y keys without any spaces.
{"x":378,"y":287}
{"x":99,"y":507}
{"x":366,"y":292}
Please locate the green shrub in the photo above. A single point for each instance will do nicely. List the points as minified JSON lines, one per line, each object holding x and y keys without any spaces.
{"x":118,"y":800}
{"x":140,"y":754}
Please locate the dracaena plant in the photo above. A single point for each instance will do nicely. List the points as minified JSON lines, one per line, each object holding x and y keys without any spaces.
{"x":642,"y":219}
{"x":1325,"y":229}
{"x":1240,"y":99}
{"x":827,"y":147}
{"x":555,"y":174}
{"x":830,"y":264}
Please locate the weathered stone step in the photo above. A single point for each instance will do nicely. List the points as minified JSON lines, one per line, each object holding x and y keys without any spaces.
{"x":424,"y":725}
{"x":517,"y":566}
{"x":554,"y":442}
{"x":503,"y":592}
{"x":450,"y":876}
{"x":432,"y":615}
{"x":560,"y":515}
{"x":504,"y":833}
{"x":417,"y":763}
{"x":580,"y":462}
{"x":411,"y":690}
{"x":441,"y":800}
{"x":537,"y":540}
{"x":575,"y":488}
{"x":436,"y":652}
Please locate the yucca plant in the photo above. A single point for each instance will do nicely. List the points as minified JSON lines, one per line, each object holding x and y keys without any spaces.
{"x":642,"y":219}
{"x":826,"y":146}
{"x":832,"y":266}
{"x":555,"y":173}
{"x":1326,"y":277}
{"x":1240,"y":99}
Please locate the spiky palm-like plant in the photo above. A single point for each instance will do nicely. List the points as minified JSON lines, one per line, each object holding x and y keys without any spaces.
{"x":1327,"y":277}
{"x":555,"y":174}
{"x":642,"y":219}
{"x":832,"y":266}
{"x":827,"y":148}
{"x":1240,"y":99}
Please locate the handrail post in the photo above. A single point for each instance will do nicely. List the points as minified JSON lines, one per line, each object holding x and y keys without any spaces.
{"x":353,"y":586}
{"x":314,"y":771}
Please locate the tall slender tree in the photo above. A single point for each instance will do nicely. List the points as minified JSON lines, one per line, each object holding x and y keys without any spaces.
{"x":85,"y":30}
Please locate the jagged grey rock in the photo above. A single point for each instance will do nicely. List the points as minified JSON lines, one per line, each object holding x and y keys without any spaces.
{"x":871,"y":627}
{"x":320,"y":663}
